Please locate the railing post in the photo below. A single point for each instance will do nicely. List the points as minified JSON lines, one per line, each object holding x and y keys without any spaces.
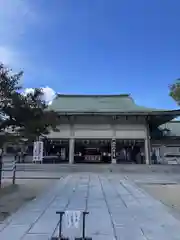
{"x":0,"y":170}
{"x":14,"y":173}
{"x":1,"y":165}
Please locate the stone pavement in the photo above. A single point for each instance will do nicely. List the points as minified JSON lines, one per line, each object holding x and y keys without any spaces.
{"x":118,"y":210}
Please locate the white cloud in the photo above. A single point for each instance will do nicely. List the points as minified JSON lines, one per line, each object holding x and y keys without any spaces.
{"x":49,"y":93}
{"x":28,"y":90}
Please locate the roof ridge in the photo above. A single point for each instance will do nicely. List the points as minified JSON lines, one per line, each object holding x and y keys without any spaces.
{"x":93,"y":95}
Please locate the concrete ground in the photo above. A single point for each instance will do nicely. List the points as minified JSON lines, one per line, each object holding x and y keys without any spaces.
{"x":12,"y":197}
{"x":118,"y":209}
{"x":168,"y":194}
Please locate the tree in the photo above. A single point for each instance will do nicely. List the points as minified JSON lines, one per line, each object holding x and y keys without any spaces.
{"x":9,"y":95}
{"x":37,"y":119}
{"x":9,"y":99}
{"x":27,"y":114}
{"x":175,"y":91}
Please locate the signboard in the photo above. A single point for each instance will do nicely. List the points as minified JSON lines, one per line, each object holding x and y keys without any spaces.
{"x":38,"y":151}
{"x":72,"y":219}
{"x":113,"y":150}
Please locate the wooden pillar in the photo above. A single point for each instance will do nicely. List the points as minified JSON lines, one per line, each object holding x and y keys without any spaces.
{"x":71,"y":150}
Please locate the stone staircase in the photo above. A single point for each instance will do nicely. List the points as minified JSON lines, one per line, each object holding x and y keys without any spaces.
{"x":93,"y":168}
{"x":37,"y":167}
{"x":98,"y":168}
{"x":64,"y":168}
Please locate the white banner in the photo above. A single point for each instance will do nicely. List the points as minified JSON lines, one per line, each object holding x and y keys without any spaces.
{"x":72,"y":219}
{"x":113,"y":149}
{"x":38,"y":151}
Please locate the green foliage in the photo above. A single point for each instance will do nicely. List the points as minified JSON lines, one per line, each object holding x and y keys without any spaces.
{"x":175,"y":91}
{"x":27,"y":114}
{"x":9,"y":96}
{"x":37,"y":120}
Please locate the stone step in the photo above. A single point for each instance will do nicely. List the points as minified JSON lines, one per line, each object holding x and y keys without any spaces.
{"x":95,"y":168}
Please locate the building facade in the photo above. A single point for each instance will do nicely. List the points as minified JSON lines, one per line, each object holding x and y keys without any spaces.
{"x":108,"y":128}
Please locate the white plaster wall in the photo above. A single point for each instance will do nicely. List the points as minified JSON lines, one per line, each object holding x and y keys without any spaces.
{"x":130,"y":131}
{"x":122,"y":131}
{"x":93,"y":134}
{"x":130,"y":134}
{"x":130,"y":127}
{"x":64,"y":132}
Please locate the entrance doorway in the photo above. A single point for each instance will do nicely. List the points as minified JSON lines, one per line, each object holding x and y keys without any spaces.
{"x":130,"y":151}
{"x":56,"y":151}
{"x":92,"y":151}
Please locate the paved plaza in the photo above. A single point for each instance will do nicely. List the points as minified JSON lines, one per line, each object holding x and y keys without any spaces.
{"x":118,"y":209}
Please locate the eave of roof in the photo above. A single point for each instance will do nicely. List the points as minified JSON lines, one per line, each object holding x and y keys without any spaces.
{"x":133,"y":113}
{"x":154,"y":118}
{"x":93,"y":95}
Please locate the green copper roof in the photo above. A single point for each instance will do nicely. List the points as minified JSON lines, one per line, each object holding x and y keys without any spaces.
{"x":97,"y":103}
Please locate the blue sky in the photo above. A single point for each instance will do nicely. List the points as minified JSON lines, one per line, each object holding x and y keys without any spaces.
{"x":94,"y":46}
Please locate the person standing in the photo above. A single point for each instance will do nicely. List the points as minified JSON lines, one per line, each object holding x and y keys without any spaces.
{"x":23,"y":156}
{"x":17,"y":156}
{"x":154,"y":157}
